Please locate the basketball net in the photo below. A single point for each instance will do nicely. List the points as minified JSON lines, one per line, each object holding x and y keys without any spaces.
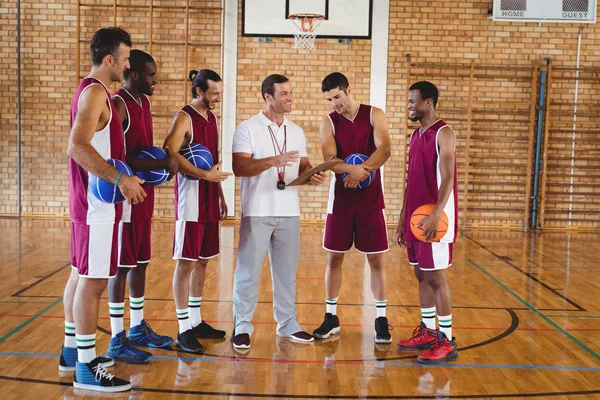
{"x":307,"y":25}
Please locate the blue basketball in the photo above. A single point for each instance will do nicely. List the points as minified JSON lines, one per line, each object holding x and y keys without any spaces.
{"x":107,"y":192}
{"x":158,"y":176}
{"x":355,"y":159}
{"x":199,"y":156}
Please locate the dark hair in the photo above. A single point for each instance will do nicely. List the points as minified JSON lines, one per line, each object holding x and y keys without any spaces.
{"x":137,"y":61}
{"x":428,"y":91}
{"x":268,"y":85}
{"x":200,"y":79}
{"x":335,"y":80}
{"x":107,"y":41}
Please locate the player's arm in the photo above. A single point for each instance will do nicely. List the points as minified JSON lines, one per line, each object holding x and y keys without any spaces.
{"x":173,"y":143}
{"x":223,"y":205}
{"x":400,"y":229}
{"x":446,"y":143}
{"x":315,"y":179}
{"x":382,"y":140}
{"x":92,"y":103}
{"x":356,"y":173}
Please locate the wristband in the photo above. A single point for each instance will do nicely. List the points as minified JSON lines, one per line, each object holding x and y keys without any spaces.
{"x":118,"y":178}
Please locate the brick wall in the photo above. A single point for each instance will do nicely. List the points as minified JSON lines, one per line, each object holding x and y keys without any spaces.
{"x":442,"y":38}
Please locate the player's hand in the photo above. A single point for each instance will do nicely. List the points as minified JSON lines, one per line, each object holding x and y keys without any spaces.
{"x":318,"y":178}
{"x":350,"y":182}
{"x":359,"y":172}
{"x":214,"y":175}
{"x":131,"y":189}
{"x":172,"y":164}
{"x":429,"y":225}
{"x":286,"y":159}
{"x":400,"y":235}
{"x":223,"y":208}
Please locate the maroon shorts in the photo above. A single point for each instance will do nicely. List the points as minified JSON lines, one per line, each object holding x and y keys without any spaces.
{"x":94,"y":249}
{"x":429,"y":255}
{"x":195,"y":240}
{"x":134,"y":243}
{"x":367,"y":231}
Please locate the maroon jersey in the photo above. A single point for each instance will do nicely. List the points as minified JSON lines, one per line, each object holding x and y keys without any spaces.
{"x":198,"y":200}
{"x":109,"y":143}
{"x":354,"y":136}
{"x":138,"y":136}
{"x":424,"y":179}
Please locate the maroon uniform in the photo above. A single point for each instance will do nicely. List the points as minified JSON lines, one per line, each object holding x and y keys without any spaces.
{"x":93,"y":223}
{"x":422,"y":187}
{"x":135,"y":228}
{"x":355,"y":215}
{"x":197,"y":210}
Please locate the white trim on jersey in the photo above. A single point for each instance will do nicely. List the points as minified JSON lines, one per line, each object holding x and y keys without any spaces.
{"x":332,"y":125}
{"x":97,"y":211}
{"x":449,"y":206}
{"x":128,"y":115}
{"x":371,"y":116}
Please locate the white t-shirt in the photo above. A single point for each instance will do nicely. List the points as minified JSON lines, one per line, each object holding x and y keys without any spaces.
{"x":260,"y":196}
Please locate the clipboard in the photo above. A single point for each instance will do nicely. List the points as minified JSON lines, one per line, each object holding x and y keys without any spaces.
{"x":304,"y":178}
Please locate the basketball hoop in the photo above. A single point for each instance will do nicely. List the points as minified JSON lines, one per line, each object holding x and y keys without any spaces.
{"x":307,"y":25}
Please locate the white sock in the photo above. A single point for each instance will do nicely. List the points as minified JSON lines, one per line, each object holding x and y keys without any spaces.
{"x":136,"y":310}
{"x":86,"y":348}
{"x":194,"y":304}
{"x":381,"y":306}
{"x":184,"y":320}
{"x":428,"y":317}
{"x":70,"y":340}
{"x":116,"y":311}
{"x":445,"y":323}
{"x":331,"y":305}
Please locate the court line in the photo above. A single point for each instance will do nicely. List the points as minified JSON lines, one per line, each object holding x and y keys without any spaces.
{"x":24,"y":302}
{"x":530,"y":276}
{"x":30,"y":320}
{"x":338,"y":362}
{"x":535,"y":310}
{"x":319,"y":396}
{"x":42,"y":279}
{"x":574,"y":316}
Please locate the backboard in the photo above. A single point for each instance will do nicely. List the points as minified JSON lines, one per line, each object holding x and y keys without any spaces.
{"x":350,"y":19}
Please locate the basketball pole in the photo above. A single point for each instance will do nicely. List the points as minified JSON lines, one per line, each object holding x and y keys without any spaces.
{"x":532,"y":119}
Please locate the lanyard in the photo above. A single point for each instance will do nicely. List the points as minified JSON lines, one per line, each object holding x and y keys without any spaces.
{"x":282,"y":149}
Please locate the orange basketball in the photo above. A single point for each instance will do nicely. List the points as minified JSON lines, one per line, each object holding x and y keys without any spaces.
{"x":422,"y":212}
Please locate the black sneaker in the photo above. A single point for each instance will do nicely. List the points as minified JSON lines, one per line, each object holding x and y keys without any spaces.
{"x":187,"y":341}
{"x":93,"y":376}
{"x":330,"y":326}
{"x":382,"y":333}
{"x":206,"y":331}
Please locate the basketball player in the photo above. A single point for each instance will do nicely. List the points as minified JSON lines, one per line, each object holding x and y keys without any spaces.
{"x":268,"y":151}
{"x":431,"y":179}
{"x":199,"y":206}
{"x":96,"y":135}
{"x":133,"y":105}
{"x":354,"y":215}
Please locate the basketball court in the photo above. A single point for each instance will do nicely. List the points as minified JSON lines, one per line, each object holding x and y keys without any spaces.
{"x":519,"y":84}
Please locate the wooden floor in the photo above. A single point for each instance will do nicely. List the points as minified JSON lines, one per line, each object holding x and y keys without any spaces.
{"x":526,"y":319}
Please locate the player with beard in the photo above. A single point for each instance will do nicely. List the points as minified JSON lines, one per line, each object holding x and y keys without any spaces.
{"x":431,"y":179}
{"x":133,"y":105}
{"x":199,"y":206}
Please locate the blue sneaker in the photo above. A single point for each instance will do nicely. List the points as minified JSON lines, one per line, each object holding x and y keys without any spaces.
{"x":143,"y":335}
{"x":121,"y":348}
{"x":93,"y":376}
{"x":68,"y":358}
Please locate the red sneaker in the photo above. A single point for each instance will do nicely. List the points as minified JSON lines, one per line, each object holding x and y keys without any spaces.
{"x":442,"y":350}
{"x":422,"y":339}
